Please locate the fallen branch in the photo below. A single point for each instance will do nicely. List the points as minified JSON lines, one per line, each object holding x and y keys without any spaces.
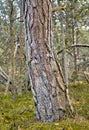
{"x":58,"y":8}
{"x":4,"y":77}
{"x":86,"y":76}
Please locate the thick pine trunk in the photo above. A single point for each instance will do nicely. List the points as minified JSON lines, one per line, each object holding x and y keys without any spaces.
{"x":46,"y":82}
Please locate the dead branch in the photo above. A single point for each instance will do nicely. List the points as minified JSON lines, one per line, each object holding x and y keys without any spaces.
{"x":75,"y":45}
{"x":80,"y":45}
{"x":58,"y":8}
{"x":86,"y":74}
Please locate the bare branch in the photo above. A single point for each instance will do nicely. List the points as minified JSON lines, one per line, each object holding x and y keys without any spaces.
{"x":75,"y":45}
{"x":80,"y":45}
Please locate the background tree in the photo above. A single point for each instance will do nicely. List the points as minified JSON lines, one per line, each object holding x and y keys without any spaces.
{"x":75,"y":13}
{"x":6,"y":44}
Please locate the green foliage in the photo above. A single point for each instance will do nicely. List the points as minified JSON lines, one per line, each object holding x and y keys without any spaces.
{"x":18,"y":112}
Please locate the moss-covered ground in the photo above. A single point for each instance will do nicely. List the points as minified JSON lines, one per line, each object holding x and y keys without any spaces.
{"x":17,"y":112}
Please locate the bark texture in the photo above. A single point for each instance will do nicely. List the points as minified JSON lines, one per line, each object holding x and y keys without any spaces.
{"x":46,"y":82}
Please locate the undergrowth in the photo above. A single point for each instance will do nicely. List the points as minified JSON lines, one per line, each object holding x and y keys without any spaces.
{"x":17,"y":112}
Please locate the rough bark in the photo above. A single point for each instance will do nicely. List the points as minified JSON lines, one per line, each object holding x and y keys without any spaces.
{"x":46,"y":82}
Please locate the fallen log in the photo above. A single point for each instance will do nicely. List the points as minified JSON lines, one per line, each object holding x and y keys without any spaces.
{"x":86,"y":74}
{"x":4,"y":77}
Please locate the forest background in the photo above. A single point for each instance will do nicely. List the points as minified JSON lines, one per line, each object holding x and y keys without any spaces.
{"x":70,"y":42}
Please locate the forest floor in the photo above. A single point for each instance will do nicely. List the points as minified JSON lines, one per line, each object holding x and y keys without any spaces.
{"x":17,"y":113}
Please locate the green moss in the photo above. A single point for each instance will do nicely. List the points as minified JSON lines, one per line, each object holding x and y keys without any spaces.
{"x":15,"y":111}
{"x":80,"y":97}
{"x":18,"y":111}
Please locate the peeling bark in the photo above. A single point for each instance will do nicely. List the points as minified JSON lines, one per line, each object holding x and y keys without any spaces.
{"x":46,"y":82}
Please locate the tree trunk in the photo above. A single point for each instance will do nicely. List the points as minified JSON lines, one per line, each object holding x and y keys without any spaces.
{"x":12,"y":38}
{"x":74,"y":43}
{"x":64,"y":64}
{"x":46,"y":82}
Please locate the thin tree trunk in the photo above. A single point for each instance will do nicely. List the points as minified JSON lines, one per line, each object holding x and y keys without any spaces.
{"x":46,"y":82}
{"x":74,"y":43}
{"x":12,"y":36}
{"x":19,"y":89}
{"x":64,"y":65}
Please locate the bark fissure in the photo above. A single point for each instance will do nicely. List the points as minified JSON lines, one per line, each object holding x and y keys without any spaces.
{"x":47,"y":87}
